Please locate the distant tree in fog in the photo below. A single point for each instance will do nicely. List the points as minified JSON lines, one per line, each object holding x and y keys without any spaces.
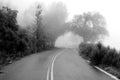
{"x":38,"y":40}
{"x":91,"y":26}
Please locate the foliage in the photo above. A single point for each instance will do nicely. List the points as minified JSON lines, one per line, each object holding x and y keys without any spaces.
{"x":17,"y":42}
{"x":87,"y":50}
{"x":91,"y":26}
{"x":98,"y":54}
{"x":112,"y":58}
{"x":39,"y":41}
{"x":101,"y":56}
{"x":10,"y":41}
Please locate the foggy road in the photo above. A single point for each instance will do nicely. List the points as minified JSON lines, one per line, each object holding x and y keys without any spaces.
{"x":60,"y":64}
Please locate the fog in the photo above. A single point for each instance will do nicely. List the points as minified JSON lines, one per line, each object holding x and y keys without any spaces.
{"x":54,"y":15}
{"x":54,"y":19}
{"x":69,"y":40}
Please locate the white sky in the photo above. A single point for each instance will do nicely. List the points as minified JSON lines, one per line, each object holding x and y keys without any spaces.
{"x":110,"y":9}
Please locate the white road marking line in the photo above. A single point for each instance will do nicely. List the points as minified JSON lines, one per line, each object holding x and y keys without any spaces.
{"x":112,"y":76}
{"x":106,"y":73}
{"x":48,"y":73}
{"x":50,"y":69}
{"x":54,"y":58}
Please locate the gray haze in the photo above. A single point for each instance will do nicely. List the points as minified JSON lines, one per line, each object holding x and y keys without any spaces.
{"x":91,"y":26}
{"x":54,"y":23}
{"x":54,"y":19}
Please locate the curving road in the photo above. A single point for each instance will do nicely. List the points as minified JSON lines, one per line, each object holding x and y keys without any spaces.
{"x":59,"y":64}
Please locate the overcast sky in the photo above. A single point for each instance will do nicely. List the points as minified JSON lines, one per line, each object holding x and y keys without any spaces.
{"x":110,"y":9}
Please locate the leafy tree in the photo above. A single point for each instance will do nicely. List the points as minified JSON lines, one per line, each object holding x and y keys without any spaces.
{"x":91,"y":26}
{"x":42,"y":40}
{"x":37,"y":38}
{"x":10,"y":41}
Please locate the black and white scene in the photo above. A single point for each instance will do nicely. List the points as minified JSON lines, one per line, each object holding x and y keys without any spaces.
{"x":59,"y":40}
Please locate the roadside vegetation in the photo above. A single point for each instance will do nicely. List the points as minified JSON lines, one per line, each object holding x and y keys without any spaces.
{"x":39,"y":34}
{"x":17,"y":42}
{"x":104,"y":57}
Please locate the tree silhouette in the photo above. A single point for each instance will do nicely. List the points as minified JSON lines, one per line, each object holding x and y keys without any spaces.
{"x":10,"y":41}
{"x":91,"y":26}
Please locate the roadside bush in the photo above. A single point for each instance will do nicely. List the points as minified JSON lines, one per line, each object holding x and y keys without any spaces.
{"x":17,"y":42}
{"x":98,"y":54}
{"x":86,"y":50}
{"x":101,"y":56}
{"x":110,"y":58}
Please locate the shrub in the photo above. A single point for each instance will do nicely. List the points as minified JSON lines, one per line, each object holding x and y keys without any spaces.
{"x":101,"y":56}
{"x":86,"y":50}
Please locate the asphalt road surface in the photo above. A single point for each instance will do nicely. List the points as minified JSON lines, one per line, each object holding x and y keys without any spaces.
{"x":59,"y":64}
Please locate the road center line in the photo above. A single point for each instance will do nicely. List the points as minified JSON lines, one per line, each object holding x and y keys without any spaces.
{"x":50,"y":69}
{"x":48,"y":73}
{"x":54,"y":58}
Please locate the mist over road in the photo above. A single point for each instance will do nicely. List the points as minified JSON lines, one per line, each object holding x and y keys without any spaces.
{"x":68,"y":65}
